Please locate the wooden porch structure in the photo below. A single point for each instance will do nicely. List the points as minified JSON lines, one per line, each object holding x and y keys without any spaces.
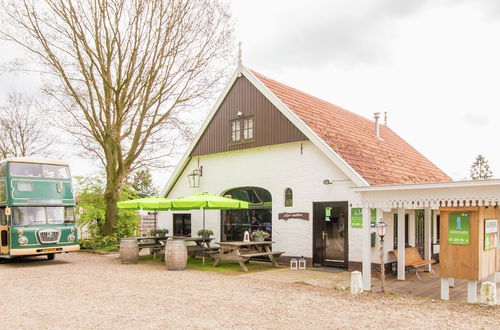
{"x":429,"y":197}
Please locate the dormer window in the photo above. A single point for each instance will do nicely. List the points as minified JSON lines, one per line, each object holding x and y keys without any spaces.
{"x":235,"y":130}
{"x":240,"y":125}
{"x":248,"y":128}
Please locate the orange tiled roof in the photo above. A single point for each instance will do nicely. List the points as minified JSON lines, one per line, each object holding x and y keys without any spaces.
{"x":387,"y":161}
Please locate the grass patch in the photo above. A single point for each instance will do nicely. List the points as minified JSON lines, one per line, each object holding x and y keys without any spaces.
{"x":227,"y":267}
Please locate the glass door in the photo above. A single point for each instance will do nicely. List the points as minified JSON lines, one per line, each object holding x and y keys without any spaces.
{"x":330,"y":234}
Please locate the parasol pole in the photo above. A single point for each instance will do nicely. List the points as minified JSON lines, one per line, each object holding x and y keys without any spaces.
{"x":202,"y":242}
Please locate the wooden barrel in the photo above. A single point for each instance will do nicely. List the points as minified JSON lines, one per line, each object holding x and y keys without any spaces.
{"x":176,"y":254}
{"x":129,"y":251}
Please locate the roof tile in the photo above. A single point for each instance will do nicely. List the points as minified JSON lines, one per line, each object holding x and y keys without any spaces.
{"x":388,"y":161}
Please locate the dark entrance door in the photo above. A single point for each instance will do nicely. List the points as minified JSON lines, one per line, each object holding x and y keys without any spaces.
{"x":330,"y":234}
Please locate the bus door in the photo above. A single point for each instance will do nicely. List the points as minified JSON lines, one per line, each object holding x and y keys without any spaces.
{"x":4,"y":232}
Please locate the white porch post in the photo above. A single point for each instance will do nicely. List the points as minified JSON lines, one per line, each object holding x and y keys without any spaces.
{"x":434,"y":228}
{"x":427,"y":237}
{"x":366,"y":251}
{"x":401,"y":244}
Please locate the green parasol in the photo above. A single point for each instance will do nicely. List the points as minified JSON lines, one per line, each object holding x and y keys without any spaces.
{"x":206,"y":201}
{"x":147,"y":204}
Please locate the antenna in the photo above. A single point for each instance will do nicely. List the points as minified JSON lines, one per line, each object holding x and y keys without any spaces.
{"x":385,"y":118}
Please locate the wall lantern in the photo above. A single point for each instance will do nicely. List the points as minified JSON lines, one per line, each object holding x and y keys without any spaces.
{"x":194,"y":177}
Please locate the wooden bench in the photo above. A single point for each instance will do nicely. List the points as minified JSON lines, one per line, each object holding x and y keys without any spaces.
{"x":413,"y":259}
{"x":262,"y":254}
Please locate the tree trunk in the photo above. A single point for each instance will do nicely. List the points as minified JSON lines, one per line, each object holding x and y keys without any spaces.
{"x":112,"y":197}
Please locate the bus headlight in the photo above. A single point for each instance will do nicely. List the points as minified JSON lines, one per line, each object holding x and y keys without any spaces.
{"x":72,"y":229}
{"x":71,"y":238}
{"x":23,"y":240}
{"x":20,"y":232}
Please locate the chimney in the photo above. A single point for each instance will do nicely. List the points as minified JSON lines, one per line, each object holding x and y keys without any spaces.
{"x":376,"y":115}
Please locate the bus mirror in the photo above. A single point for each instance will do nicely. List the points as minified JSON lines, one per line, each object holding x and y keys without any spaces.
{"x":81,"y":210}
{"x":7,"y":211}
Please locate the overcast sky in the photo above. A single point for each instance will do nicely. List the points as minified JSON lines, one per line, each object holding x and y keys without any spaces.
{"x":434,"y":66}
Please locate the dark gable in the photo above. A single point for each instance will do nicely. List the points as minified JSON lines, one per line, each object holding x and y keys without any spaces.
{"x":270,"y":126}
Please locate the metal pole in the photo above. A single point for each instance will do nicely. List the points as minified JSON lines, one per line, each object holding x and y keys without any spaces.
{"x":382,"y":267}
{"x":202,"y":242}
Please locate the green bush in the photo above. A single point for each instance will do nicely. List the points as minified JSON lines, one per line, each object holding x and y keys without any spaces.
{"x":158,"y":232}
{"x":94,"y":208}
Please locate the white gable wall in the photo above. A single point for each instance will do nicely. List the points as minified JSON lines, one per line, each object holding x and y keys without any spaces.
{"x":300,"y":166}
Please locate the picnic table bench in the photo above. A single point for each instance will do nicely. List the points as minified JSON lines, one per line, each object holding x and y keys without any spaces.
{"x":243,"y":251}
{"x":156,"y":245}
{"x":413,"y":259}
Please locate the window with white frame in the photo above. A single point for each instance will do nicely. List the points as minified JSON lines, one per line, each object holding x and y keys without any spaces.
{"x":235,"y":130}
{"x":248,"y":128}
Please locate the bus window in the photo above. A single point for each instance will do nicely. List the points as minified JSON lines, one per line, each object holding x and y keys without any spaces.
{"x":69,"y":214}
{"x":55,"y":215}
{"x":3,"y":217}
{"x":25,"y":169}
{"x":55,"y":171}
{"x":25,"y":216}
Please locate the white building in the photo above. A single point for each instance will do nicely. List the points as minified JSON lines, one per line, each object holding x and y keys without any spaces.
{"x":312,"y":171}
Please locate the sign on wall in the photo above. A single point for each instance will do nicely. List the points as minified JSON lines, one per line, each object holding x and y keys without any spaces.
{"x":294,"y":215}
{"x":357,"y":217}
{"x":459,"y":229}
{"x":490,"y":234}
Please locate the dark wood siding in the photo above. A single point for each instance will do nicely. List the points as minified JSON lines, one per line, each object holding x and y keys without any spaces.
{"x":270,"y":125}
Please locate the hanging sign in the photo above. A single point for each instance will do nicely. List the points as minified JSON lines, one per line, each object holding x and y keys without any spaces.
{"x":357,"y":217}
{"x":459,"y":229}
{"x":294,"y":215}
{"x":490,"y":234}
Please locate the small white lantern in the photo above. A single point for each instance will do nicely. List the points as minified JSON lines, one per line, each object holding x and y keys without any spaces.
{"x":294,"y":264}
{"x":302,"y":263}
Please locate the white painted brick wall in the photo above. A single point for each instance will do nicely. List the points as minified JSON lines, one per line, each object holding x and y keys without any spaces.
{"x":274,"y":168}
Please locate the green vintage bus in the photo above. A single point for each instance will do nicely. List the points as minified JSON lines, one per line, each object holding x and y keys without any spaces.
{"x":37,"y":205}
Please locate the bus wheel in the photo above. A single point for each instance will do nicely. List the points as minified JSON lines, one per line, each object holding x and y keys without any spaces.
{"x":51,"y":256}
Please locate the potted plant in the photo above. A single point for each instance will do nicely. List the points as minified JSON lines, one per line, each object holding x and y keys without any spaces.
{"x":205,"y":233}
{"x":158,"y":232}
{"x":260,"y":235}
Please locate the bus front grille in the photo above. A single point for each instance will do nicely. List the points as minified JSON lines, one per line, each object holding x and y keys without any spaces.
{"x":48,"y":236}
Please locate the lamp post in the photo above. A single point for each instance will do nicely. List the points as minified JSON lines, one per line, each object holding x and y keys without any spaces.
{"x":381,"y":229}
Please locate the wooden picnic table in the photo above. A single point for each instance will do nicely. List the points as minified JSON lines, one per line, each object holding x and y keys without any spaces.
{"x":242,"y":252}
{"x":157,"y":244}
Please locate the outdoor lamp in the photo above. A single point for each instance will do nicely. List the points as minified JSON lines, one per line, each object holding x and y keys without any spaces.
{"x":194,"y":178}
{"x":381,"y":229}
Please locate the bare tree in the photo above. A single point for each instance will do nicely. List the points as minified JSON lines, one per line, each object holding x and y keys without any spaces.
{"x":127,"y":71}
{"x":23,"y":131}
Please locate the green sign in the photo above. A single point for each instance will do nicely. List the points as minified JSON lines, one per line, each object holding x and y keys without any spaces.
{"x":357,"y":217}
{"x":490,"y":234}
{"x":459,"y":229}
{"x":328,"y":211}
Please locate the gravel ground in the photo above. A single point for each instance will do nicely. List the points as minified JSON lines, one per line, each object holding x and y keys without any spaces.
{"x":86,"y":291}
